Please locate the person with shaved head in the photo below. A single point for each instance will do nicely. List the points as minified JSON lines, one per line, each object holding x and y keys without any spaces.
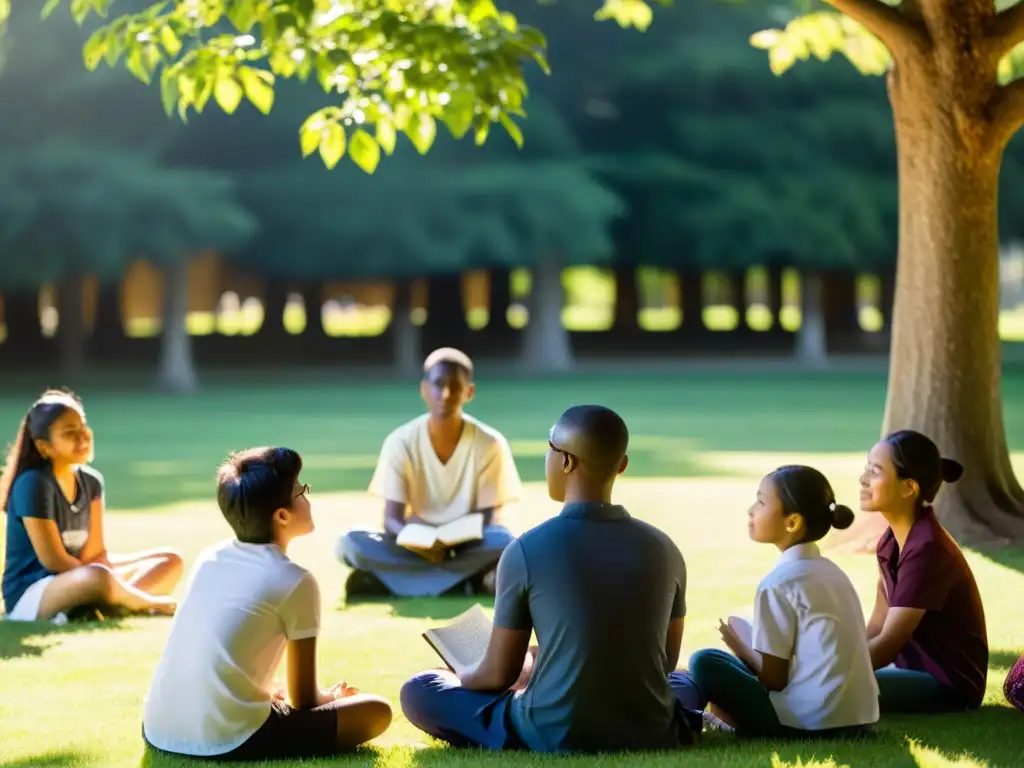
{"x":605,"y":594}
{"x":435,"y":470}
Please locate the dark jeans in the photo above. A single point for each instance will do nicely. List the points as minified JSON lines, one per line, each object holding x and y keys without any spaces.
{"x":721,"y":679}
{"x":439,"y":706}
{"x":909,"y":691}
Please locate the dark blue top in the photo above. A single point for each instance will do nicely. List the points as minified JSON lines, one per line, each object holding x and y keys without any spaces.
{"x":35,"y":493}
{"x":600,"y":589}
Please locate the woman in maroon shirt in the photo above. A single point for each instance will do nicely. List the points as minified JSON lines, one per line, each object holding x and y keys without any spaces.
{"x":1013,"y":688}
{"x":927,"y":632}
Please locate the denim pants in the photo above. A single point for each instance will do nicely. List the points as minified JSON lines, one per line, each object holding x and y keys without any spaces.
{"x":909,"y":691}
{"x":721,"y":679}
{"x":438,"y":705}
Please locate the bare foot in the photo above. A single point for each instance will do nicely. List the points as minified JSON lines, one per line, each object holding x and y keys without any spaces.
{"x":163,"y":607}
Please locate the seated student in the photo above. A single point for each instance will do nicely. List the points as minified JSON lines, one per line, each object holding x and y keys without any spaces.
{"x":927,"y":633}
{"x":436,"y":469}
{"x":213,"y":692}
{"x":605,"y":594}
{"x":56,"y":557}
{"x":1013,"y":688}
{"x":806,"y":669}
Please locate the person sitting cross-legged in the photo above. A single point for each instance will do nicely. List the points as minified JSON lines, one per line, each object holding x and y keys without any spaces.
{"x":805,"y":669}
{"x":605,"y":594}
{"x":437,"y":469}
{"x":248,"y":605}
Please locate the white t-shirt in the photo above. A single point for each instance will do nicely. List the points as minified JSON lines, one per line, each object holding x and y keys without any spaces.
{"x":806,"y":610}
{"x":212,"y":688}
{"x":481,"y":473}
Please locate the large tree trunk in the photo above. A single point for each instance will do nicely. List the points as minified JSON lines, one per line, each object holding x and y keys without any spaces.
{"x":627,"y":300}
{"x":547,"y":347}
{"x":952,"y":123}
{"x":71,"y":334}
{"x":405,"y":336}
{"x":812,"y":342}
{"x":177,"y":371}
{"x":499,"y":283}
{"x":275,"y":301}
{"x":446,"y":313}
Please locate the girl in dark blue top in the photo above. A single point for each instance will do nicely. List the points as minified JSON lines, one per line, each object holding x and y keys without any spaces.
{"x":56,"y":558}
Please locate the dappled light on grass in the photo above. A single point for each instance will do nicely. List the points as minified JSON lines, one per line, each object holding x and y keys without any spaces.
{"x":378,"y":645}
{"x":925,"y":757}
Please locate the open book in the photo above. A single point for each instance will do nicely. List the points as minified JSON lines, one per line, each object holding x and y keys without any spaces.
{"x":419,"y":536}
{"x":462,"y":643}
{"x":742,"y":628}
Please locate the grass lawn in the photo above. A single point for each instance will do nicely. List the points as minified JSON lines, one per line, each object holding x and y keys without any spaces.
{"x":699,"y":445}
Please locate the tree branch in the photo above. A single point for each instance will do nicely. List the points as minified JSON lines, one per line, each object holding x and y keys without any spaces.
{"x":888,"y":23}
{"x":1006,"y":111}
{"x":1006,"y":30}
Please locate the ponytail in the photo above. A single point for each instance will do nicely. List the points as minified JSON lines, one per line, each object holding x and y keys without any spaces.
{"x":23,"y":455}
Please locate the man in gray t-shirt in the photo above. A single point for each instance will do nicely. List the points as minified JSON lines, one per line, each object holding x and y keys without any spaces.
{"x":606,"y":596}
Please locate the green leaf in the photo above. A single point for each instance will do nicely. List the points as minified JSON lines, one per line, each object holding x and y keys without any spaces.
{"x":364,"y":151}
{"x":386,"y":135}
{"x":332,"y":144}
{"x":95,"y":49}
{"x":80,"y":10}
{"x":422,"y":131}
{"x":170,"y":41}
{"x":242,"y":14}
{"x":458,"y":113}
{"x":513,"y":130}
{"x":311,"y":133}
{"x":627,"y":13}
{"x":49,"y":8}
{"x":169,"y":93}
{"x":483,"y":127}
{"x":136,"y":66}
{"x":227,"y":92}
{"x":204,"y":90}
{"x":258,"y":90}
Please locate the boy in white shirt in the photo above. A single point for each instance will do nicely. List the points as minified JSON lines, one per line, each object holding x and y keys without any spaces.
{"x":213,"y":693}
{"x":436,"y":469}
{"x":805,"y":670}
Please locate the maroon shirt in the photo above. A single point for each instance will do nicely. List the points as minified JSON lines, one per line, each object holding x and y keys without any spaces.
{"x":931,"y":573}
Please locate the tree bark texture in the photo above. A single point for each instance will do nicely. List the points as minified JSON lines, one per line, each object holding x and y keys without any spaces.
{"x":627,"y":300}
{"x":952,"y":123}
{"x":177,"y":371}
{"x":547,"y":347}
{"x":71,"y":326}
{"x":812,"y":343}
{"x":405,"y":336}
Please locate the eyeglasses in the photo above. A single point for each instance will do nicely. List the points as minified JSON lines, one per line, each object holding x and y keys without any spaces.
{"x":303,"y":491}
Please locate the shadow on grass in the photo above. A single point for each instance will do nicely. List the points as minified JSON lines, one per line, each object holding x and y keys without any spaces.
{"x":22,"y":638}
{"x":433,"y":608}
{"x":1008,"y":557}
{"x":1003,"y":660}
{"x":991,"y":736}
{"x":152,"y":758}
{"x":48,"y":760}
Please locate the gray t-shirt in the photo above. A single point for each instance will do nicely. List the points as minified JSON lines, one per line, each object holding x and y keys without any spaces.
{"x":600,"y":589}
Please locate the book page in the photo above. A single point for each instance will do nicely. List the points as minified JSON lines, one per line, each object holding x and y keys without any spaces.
{"x":463,"y":643}
{"x":742,"y":628}
{"x":417,"y":536}
{"x":467,"y":528}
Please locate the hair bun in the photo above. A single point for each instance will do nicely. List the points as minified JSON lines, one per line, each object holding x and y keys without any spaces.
{"x":951,"y":470}
{"x":842,"y":517}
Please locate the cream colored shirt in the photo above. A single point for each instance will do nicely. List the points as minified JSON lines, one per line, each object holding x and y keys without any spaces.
{"x":481,"y":473}
{"x":212,"y":687}
{"x":806,"y":610}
